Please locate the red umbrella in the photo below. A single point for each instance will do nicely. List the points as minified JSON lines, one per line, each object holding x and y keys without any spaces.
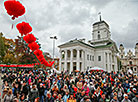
{"x":14,"y":8}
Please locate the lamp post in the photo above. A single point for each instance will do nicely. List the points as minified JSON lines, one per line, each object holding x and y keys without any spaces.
{"x":53,"y":38}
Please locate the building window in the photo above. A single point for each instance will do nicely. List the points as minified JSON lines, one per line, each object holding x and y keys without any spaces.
{"x":98,"y":31}
{"x":130,"y":62}
{"x":135,"y":69}
{"x":99,"y":37}
{"x":87,"y":57}
{"x":99,"y":58}
{"x":92,"y":58}
{"x":121,"y":56}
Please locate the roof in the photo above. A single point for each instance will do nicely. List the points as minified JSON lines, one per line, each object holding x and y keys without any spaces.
{"x":104,"y":46}
{"x":80,"y":42}
{"x":75,"y":42}
{"x":100,"y":23}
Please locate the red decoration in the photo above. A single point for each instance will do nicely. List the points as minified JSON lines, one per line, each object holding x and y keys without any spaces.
{"x":29,"y":38}
{"x":38,"y":52}
{"x":33,"y":46}
{"x":24,"y":28}
{"x":14,"y":8}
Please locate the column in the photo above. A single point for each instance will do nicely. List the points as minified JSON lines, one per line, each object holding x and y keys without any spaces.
{"x":65,"y":61}
{"x":60,"y":60}
{"x":71,"y":60}
{"x":78,"y":59}
{"x":108,"y":62}
{"x":83,"y":62}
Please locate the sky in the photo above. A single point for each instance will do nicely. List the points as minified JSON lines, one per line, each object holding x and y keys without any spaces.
{"x":71,"y":19}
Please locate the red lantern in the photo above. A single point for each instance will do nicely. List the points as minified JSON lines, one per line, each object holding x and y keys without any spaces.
{"x":40,"y":56}
{"x":38,"y":52}
{"x":14,"y":8}
{"x":29,"y":38}
{"x":24,"y":28}
{"x":33,"y":46}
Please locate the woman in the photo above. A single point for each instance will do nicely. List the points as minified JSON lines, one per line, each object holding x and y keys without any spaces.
{"x":8,"y":97}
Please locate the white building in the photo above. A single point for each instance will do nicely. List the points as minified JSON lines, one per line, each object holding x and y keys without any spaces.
{"x":101,"y":51}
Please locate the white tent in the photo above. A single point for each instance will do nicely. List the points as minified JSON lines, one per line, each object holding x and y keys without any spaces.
{"x":96,"y":69}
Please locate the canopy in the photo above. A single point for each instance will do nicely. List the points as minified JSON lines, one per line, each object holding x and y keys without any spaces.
{"x":96,"y":69}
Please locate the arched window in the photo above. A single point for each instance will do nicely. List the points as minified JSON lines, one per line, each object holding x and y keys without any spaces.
{"x":99,"y":36}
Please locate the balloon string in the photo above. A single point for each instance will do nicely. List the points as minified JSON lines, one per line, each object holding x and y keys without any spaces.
{"x":12,"y":26}
{"x":25,"y":17}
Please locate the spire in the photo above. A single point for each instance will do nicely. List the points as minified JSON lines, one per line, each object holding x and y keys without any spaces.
{"x":100,"y":16}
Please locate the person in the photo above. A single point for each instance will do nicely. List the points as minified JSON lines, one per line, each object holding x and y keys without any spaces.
{"x":102,"y":99}
{"x":25,"y":89}
{"x":71,"y":98}
{"x":132,"y":94}
{"x":49,"y":98}
{"x":41,"y":92}
{"x":9,"y":96}
{"x":125,"y":98}
{"x":114,"y":99}
{"x":59,"y":98}
{"x":86,"y":99}
{"x":33,"y":93}
{"x":66,"y":96}
{"x":135,"y":99}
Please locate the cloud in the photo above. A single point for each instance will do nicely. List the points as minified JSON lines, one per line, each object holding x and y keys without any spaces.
{"x":70,"y":19}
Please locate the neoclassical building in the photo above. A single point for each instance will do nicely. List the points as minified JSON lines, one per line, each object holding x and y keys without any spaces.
{"x":129,"y":60}
{"x":101,"y":51}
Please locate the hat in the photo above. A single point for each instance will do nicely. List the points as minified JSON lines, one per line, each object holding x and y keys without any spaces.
{"x":90,"y":82}
{"x":41,"y":84}
{"x":125,"y":95}
{"x":134,"y":89}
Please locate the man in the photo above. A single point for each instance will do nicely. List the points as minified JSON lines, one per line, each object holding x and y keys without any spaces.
{"x":125,"y":98}
{"x":135,"y":99}
{"x":49,"y":98}
{"x":41,"y":92}
{"x":25,"y":89}
{"x":102,"y":99}
{"x":114,"y":99}
{"x":132,"y":94}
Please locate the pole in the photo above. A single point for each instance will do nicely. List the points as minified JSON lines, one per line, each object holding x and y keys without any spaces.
{"x":53,"y":48}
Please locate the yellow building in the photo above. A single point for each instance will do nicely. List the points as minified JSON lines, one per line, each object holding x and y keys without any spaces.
{"x":129,"y":60}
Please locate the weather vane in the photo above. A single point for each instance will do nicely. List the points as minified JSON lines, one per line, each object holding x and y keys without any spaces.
{"x":100,"y":16}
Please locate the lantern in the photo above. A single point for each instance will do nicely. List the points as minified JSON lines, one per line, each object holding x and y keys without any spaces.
{"x":14,"y":8}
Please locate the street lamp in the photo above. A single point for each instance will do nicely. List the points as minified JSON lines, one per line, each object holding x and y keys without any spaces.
{"x":53,"y":38}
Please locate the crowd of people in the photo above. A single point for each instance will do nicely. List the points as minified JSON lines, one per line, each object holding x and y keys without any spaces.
{"x":43,"y":86}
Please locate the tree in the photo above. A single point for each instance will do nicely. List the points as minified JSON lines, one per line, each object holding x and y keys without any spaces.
{"x":2,"y":48}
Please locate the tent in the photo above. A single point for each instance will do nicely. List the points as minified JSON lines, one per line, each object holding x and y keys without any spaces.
{"x":96,"y":69}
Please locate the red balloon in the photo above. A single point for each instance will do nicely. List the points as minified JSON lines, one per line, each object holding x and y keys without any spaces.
{"x":33,"y":46}
{"x":14,"y":8}
{"x":29,"y":38}
{"x":24,"y":28}
{"x":38,"y":52}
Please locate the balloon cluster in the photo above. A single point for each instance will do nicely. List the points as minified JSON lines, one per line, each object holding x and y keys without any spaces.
{"x":15,"y":8}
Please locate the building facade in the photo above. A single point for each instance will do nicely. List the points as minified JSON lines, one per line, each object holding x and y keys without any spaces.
{"x":101,"y":51}
{"x":129,"y":60}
